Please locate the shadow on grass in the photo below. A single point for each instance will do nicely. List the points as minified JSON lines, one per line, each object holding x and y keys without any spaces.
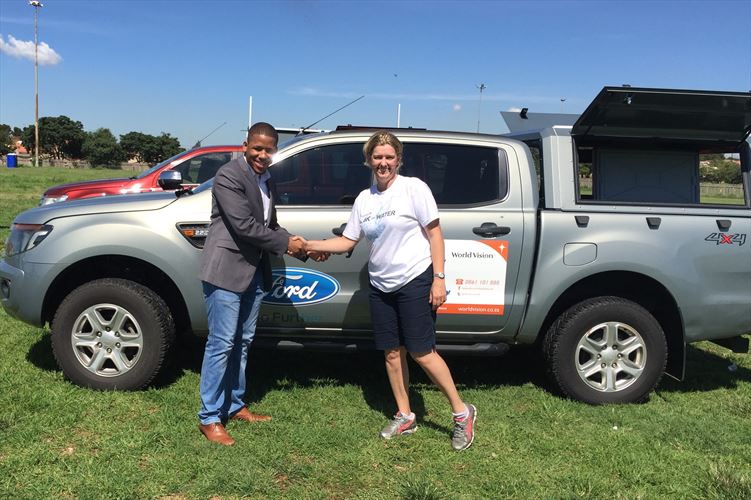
{"x":273,"y":370}
{"x":706,"y":371}
{"x":270,"y":370}
{"x":40,"y":354}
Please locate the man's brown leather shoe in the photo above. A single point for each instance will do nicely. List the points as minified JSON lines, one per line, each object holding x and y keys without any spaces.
{"x":248,"y":416}
{"x":216,"y":434}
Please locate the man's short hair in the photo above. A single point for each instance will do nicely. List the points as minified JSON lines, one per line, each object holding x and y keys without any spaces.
{"x":263,"y":128}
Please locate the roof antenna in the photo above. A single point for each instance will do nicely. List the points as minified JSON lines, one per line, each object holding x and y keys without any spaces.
{"x":198,"y":144}
{"x":348,"y":104}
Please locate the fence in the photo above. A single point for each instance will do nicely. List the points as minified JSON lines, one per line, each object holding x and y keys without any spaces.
{"x":705,"y":188}
{"x":722,"y":190}
{"x":28,"y":159}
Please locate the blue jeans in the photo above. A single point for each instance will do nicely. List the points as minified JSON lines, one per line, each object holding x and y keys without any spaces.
{"x":232,"y":324}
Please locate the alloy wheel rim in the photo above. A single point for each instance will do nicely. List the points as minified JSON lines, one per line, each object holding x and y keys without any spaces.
{"x":610,"y":356}
{"x":107,"y":340}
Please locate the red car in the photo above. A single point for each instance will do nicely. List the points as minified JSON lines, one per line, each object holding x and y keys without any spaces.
{"x":195,"y":165}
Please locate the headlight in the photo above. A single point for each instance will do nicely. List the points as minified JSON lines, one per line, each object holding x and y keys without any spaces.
{"x":46,"y":200}
{"x":25,"y":237}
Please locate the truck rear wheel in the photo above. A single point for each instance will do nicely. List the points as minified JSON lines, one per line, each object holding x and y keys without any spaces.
{"x":112,"y":334}
{"x":606,"y":350}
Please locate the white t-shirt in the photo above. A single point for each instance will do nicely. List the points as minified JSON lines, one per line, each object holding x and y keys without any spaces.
{"x":393,"y":221}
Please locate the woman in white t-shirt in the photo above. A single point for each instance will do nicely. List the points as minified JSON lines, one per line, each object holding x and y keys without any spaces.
{"x":398,"y":217}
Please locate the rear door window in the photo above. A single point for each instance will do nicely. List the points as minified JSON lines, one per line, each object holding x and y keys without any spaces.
{"x":458,"y":174}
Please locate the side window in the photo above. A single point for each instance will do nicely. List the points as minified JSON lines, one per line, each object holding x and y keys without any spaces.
{"x":327,"y":175}
{"x":457,"y":174}
{"x":686,"y":176}
{"x":199,"y":169}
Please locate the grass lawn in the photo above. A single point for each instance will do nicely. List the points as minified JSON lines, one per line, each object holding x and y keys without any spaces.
{"x":22,"y":187}
{"x":690,"y":440}
{"x":721,"y":200}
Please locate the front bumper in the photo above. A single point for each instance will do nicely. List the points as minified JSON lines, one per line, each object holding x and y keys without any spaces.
{"x":22,"y":291}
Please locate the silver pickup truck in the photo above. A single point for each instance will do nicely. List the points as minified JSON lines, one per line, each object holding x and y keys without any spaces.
{"x":612,"y":274}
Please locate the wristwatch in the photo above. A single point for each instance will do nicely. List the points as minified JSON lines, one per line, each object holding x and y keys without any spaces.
{"x":439,"y":275}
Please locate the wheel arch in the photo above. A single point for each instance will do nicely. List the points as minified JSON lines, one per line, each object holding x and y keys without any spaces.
{"x":117,"y":266}
{"x":639,"y":288}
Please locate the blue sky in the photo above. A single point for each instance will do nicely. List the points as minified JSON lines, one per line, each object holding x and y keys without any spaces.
{"x":186,"y":67}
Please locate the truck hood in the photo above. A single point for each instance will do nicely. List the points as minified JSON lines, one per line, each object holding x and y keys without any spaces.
{"x":109,"y":204}
{"x":98,"y":183}
{"x":682,"y":115}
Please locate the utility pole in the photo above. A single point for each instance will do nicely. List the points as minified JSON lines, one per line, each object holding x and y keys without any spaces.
{"x":36,"y":4}
{"x":479,"y":106}
{"x":250,"y":113}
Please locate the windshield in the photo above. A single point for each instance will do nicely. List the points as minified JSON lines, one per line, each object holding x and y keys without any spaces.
{"x":160,"y":165}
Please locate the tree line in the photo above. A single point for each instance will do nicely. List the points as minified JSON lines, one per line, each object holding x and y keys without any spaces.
{"x":716,"y":169}
{"x":63,"y":138}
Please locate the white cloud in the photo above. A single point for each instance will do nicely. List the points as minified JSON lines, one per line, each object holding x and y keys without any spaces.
{"x":25,"y":50}
{"x":456,"y":107}
{"x":514,"y":110}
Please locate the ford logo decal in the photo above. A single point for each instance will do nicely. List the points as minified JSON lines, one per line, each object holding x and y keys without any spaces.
{"x":295,"y":286}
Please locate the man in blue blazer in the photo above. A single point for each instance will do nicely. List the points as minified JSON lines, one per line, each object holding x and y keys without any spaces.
{"x":236,"y":274}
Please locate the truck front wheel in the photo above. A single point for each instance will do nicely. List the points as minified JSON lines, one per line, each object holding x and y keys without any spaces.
{"x":606,"y":350}
{"x":112,"y":334}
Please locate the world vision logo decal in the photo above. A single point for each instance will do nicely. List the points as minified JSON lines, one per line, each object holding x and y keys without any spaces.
{"x":475,"y":277}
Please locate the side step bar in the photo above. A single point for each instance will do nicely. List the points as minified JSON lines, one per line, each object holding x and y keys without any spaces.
{"x":479,"y":349}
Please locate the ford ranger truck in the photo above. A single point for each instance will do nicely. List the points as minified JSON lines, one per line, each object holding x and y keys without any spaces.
{"x":593,"y":241}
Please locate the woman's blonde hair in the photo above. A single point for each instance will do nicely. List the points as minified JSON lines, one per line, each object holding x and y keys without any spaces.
{"x":382,"y":138}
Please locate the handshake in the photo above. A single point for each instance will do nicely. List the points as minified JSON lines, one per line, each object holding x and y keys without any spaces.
{"x":298,"y":247}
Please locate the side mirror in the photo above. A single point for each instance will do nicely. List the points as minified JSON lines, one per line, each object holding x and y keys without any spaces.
{"x":170,"y":180}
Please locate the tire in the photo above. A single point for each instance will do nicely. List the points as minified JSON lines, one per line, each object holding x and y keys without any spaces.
{"x":112,"y":334}
{"x":605,"y":350}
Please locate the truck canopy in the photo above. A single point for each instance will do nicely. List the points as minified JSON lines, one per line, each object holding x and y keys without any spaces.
{"x":668,"y":115}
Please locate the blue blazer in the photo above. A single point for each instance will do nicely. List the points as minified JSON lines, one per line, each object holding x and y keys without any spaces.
{"x":238,"y":243}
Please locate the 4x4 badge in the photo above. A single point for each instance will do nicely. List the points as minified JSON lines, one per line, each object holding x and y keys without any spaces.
{"x":727,"y":238}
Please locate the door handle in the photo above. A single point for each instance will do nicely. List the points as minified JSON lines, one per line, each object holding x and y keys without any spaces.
{"x":490,"y":229}
{"x":724,"y":224}
{"x":654,"y":222}
{"x":339,"y":231}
